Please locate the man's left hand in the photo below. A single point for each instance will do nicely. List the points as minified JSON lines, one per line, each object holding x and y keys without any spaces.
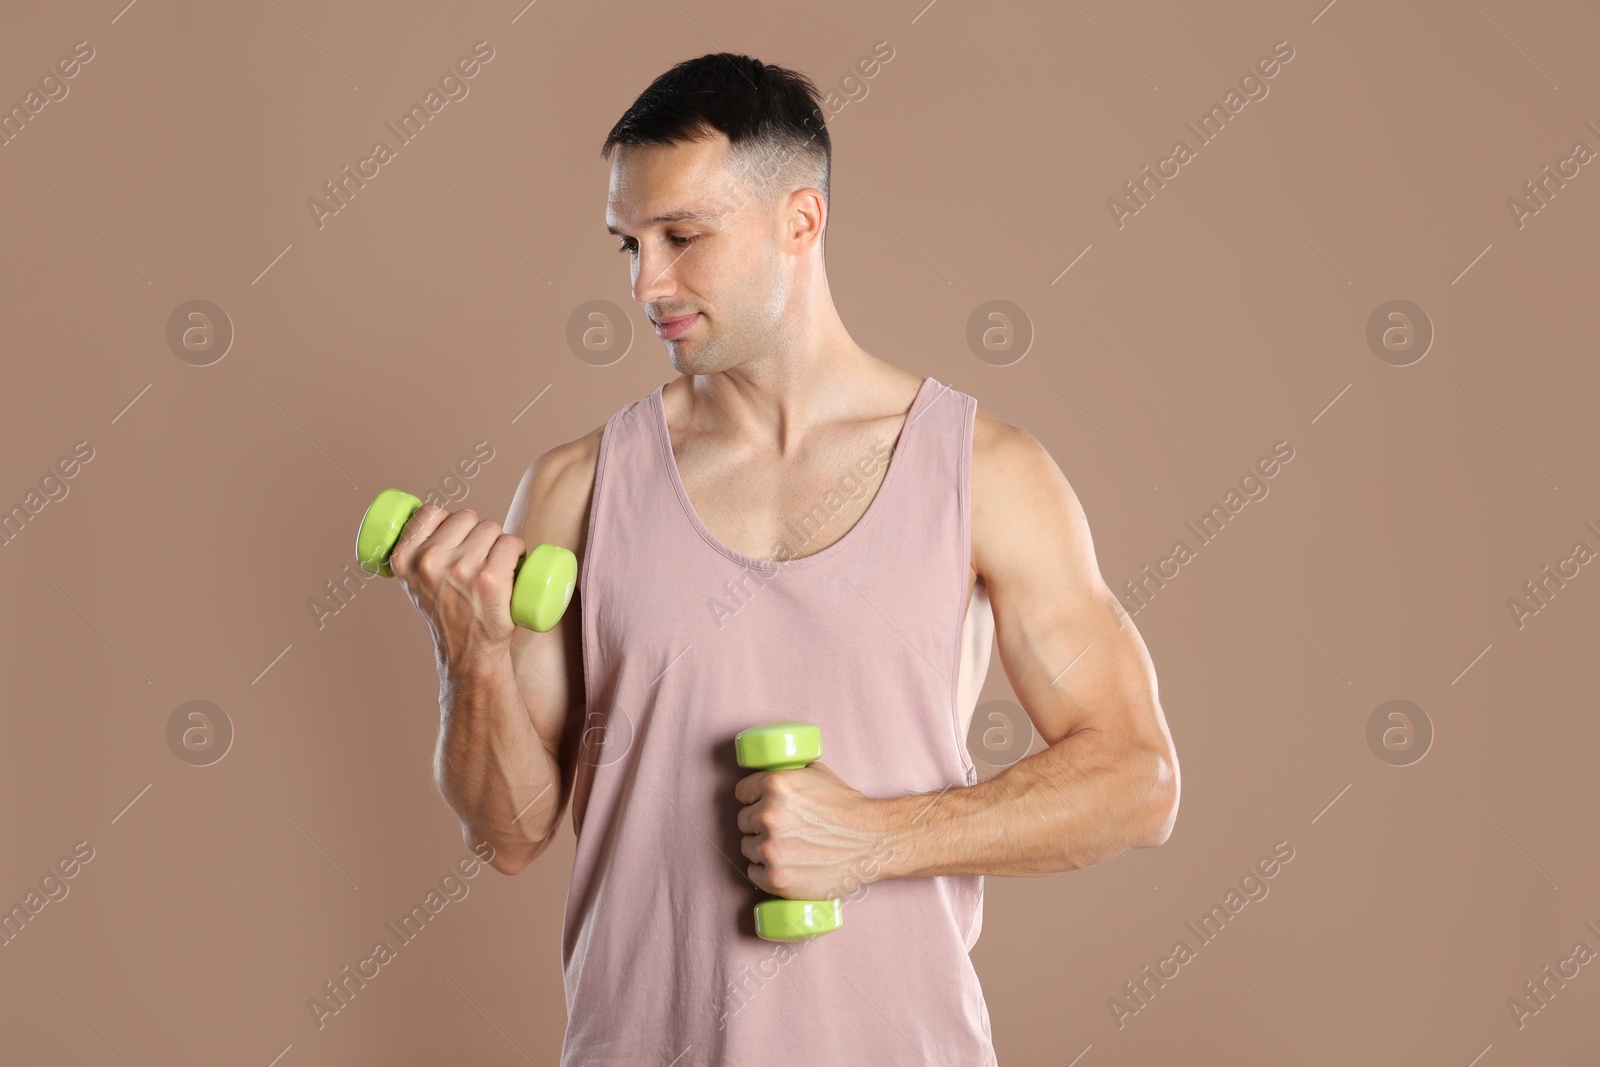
{"x":808,"y":835}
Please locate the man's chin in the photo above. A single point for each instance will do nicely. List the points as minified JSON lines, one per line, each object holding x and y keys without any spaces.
{"x":694,"y":359}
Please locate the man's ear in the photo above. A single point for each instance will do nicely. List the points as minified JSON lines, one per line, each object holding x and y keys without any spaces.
{"x":805,"y":215}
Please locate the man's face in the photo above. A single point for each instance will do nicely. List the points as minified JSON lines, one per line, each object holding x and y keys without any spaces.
{"x":698,"y":244}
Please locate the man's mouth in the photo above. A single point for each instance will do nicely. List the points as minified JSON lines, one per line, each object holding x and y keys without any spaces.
{"x":667,"y":329}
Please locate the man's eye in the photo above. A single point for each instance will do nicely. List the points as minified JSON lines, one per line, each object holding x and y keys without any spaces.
{"x":681,"y":242}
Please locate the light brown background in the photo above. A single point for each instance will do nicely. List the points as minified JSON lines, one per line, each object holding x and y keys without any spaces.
{"x":1228,"y":314}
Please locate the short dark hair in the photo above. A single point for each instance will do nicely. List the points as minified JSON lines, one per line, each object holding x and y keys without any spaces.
{"x":771,"y":116}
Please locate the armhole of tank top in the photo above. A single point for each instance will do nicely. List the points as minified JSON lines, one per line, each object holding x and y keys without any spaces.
{"x":963,"y":599}
{"x":596,"y":516}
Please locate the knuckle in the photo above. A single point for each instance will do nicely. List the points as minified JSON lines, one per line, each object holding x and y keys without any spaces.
{"x":427,"y":565}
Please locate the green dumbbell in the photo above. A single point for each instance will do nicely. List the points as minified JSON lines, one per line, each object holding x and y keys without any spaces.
{"x":780,"y":746}
{"x":545,"y":576}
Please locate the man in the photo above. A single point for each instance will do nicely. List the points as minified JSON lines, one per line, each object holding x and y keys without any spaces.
{"x":792,"y":529}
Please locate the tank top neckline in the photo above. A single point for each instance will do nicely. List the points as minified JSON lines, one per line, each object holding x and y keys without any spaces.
{"x":664,"y":441}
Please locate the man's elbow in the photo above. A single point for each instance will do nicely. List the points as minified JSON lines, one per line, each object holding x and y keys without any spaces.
{"x":509,"y":858}
{"x":506,"y":865}
{"x":509,"y":862}
{"x":1161,"y":805}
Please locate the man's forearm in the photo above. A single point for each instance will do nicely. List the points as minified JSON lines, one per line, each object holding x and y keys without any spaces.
{"x":1074,"y":804}
{"x":491,"y":766}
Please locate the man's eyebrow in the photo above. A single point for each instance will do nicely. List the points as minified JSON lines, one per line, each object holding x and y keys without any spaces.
{"x":681,"y":215}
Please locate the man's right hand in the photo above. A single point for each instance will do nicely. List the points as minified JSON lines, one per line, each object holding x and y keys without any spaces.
{"x":459,"y":571}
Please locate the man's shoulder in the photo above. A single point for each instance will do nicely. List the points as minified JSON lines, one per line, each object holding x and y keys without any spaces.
{"x":572,"y":463}
{"x":552,"y":501}
{"x":1003,"y":451}
{"x":1016,"y":487}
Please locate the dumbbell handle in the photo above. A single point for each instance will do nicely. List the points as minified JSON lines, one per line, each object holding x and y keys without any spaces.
{"x":544,"y":579}
{"x":779,"y":746}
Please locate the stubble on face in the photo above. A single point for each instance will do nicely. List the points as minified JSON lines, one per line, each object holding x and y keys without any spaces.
{"x":751,"y":300}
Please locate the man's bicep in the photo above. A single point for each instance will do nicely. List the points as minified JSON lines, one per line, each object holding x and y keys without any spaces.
{"x":551,"y":505}
{"x":1071,"y":654}
{"x":549,"y":674}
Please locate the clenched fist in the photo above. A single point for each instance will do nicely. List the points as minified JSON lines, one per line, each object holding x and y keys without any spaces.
{"x":459,"y":570}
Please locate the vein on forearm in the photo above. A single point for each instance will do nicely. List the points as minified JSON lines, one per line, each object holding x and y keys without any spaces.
{"x":1073,"y":804}
{"x":488,"y":758}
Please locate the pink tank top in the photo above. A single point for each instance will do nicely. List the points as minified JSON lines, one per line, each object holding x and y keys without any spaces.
{"x":685,"y":643}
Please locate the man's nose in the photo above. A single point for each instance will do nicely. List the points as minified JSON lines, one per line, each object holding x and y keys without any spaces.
{"x":654,"y":273}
